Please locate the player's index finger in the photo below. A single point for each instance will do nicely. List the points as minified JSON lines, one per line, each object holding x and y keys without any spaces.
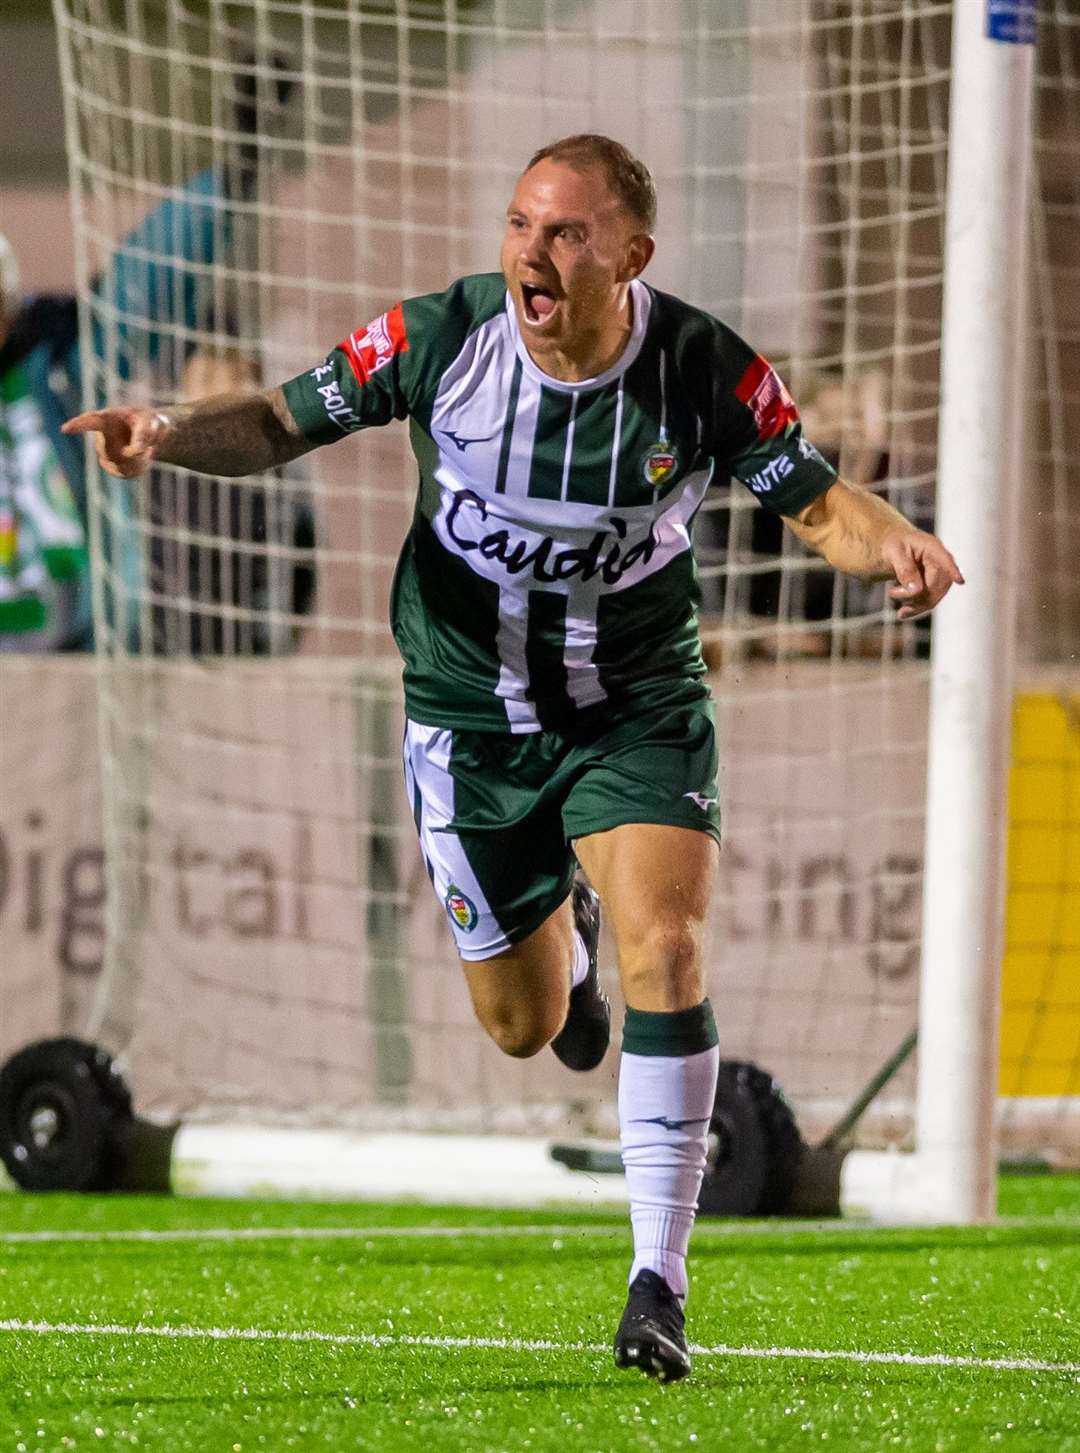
{"x":89,"y":423}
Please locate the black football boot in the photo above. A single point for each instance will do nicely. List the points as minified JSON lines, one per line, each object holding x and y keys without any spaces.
{"x":583,"y":1040}
{"x":651,"y":1335}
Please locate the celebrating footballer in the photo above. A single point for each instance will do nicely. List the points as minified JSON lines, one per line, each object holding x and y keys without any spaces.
{"x":568,"y":421}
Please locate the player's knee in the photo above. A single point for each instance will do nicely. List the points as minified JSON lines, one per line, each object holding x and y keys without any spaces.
{"x":522,"y":1031}
{"x":666,"y":954}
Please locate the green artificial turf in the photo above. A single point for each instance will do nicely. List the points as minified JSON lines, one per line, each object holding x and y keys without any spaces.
{"x":1007,"y":1292}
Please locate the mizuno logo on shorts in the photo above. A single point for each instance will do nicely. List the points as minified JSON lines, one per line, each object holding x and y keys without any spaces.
{"x":700,"y":800}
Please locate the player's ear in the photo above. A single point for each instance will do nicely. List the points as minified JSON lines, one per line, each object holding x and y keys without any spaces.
{"x":639,"y":250}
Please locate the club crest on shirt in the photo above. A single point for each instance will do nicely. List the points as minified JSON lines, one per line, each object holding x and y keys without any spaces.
{"x":660,"y":463}
{"x":461,"y":909}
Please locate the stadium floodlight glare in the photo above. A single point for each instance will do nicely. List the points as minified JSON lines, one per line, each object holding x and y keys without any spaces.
{"x":251,"y":182}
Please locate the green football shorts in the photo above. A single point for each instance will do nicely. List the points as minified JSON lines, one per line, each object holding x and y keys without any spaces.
{"x":497,"y":815}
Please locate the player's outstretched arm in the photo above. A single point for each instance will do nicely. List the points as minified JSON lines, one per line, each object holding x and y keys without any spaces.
{"x":228,"y":434}
{"x":861,"y":534}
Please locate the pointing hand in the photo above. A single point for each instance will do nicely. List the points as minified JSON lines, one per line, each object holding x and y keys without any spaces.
{"x":126,"y":440}
{"x":924,"y":569}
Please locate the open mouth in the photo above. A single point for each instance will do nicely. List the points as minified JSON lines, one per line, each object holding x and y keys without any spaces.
{"x":539,"y":303}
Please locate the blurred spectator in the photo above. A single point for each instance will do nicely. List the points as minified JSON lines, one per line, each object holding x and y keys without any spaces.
{"x":156,"y":286}
{"x":229,"y":561}
{"x":848,"y":422}
{"x":150,"y":282}
{"x":44,"y":564}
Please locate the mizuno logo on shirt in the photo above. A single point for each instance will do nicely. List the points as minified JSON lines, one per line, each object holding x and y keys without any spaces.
{"x":463,"y":444}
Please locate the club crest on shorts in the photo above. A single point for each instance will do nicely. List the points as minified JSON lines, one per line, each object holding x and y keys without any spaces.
{"x":461,"y":909}
{"x":660,"y":463}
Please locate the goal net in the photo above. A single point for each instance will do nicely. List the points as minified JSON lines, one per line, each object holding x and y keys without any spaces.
{"x":252,"y":180}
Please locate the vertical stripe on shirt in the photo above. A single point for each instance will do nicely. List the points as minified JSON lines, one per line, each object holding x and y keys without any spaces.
{"x":569,"y":448}
{"x":508,"y":428}
{"x":547,"y":467}
{"x":614,"y":476}
{"x":544,"y":659}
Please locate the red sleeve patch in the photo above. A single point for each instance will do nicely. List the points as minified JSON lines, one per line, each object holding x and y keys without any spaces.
{"x":373,"y":347}
{"x":763,"y":393}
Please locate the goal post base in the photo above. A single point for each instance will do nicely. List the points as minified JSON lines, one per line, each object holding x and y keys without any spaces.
{"x":502,"y":1170}
{"x":886,"y":1187}
{"x":433,"y":1169}
{"x":498,"y":1170}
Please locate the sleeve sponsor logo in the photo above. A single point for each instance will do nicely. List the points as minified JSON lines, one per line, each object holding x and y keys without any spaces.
{"x":776,"y":470}
{"x":333,"y":399}
{"x":763,"y":393}
{"x":373,"y":347}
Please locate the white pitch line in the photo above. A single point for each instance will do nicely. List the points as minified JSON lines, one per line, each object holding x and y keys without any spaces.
{"x":521,"y":1344}
{"x":305,"y":1233}
{"x":705,"y":1228}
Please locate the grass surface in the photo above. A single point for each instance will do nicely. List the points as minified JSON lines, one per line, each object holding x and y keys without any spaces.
{"x":381,"y":1311}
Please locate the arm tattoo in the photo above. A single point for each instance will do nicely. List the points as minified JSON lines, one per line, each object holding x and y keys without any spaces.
{"x":232,"y":434}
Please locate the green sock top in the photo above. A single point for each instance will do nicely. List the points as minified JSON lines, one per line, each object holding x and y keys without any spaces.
{"x":683,"y":1031}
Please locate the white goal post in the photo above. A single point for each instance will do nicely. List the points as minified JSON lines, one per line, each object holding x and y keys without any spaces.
{"x":251,"y":180}
{"x":980,"y":463}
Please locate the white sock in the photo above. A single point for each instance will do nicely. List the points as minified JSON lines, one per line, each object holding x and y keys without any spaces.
{"x":665,"y":1104}
{"x":580,"y":965}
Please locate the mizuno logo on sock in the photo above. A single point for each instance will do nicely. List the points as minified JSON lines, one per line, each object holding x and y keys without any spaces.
{"x":672,"y":1124}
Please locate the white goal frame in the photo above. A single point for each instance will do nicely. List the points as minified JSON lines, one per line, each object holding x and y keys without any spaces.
{"x":979,"y":461}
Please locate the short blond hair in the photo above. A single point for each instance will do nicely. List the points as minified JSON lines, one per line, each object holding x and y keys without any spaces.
{"x":627,"y":176}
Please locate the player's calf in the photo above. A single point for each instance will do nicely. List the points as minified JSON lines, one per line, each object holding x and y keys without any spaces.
{"x":520,"y":996}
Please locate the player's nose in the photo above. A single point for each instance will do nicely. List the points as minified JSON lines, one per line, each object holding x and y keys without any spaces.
{"x":533,"y":249}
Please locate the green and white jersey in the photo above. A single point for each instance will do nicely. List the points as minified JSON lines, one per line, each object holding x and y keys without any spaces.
{"x":549,"y":569}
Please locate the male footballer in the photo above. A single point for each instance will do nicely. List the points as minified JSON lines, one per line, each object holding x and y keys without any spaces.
{"x":567,"y":420}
